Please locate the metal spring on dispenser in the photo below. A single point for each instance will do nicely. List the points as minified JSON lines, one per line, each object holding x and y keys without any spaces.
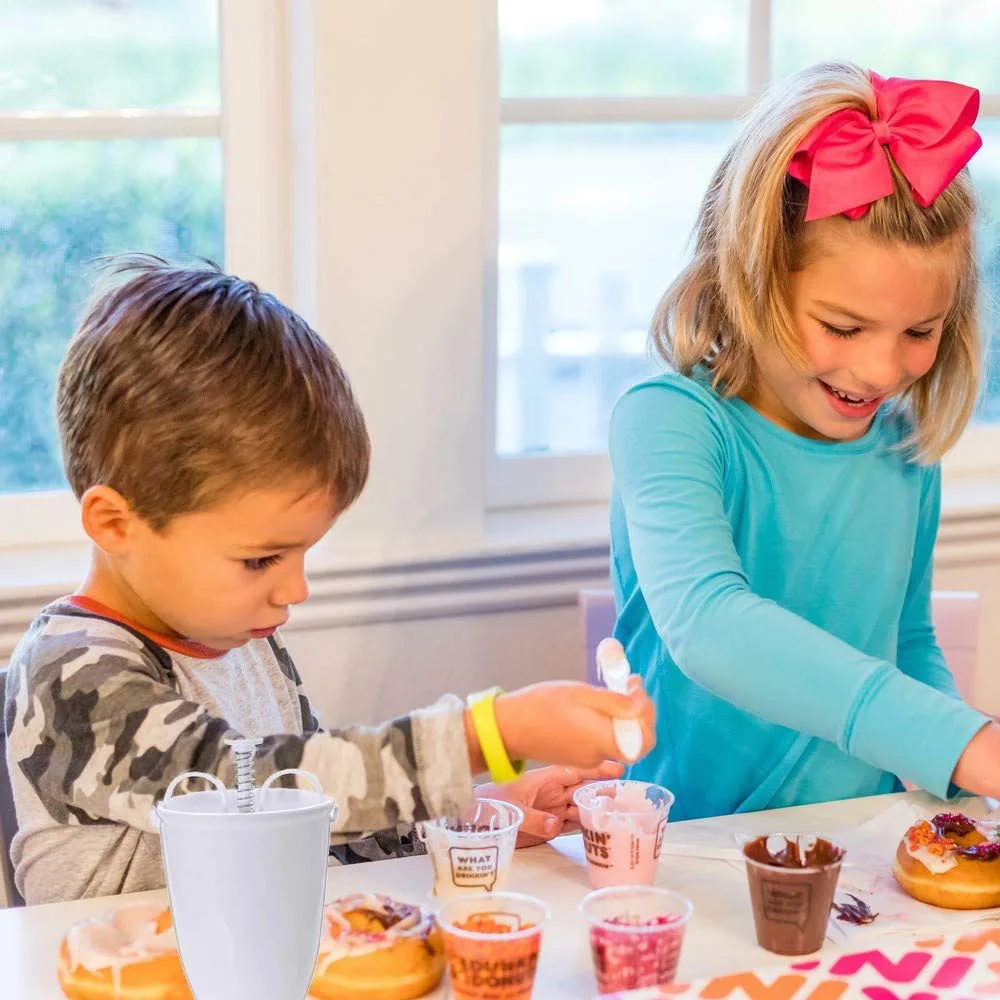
{"x":244,"y":752}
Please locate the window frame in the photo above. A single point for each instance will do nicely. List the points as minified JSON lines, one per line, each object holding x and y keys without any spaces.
{"x":254,"y":95}
{"x":360,"y":184}
{"x":524,"y":481}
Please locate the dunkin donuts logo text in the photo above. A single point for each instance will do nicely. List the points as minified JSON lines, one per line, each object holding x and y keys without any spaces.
{"x":498,"y":973}
{"x":596,"y":846}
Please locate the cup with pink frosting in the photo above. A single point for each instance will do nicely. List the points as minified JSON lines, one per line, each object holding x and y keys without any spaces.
{"x":622,"y":824}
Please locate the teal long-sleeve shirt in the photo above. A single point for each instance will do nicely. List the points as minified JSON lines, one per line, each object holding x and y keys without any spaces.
{"x":774,"y":593}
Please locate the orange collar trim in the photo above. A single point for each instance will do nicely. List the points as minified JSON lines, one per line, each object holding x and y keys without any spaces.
{"x":174,"y":643}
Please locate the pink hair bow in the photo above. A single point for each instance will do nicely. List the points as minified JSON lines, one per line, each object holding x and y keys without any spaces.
{"x":927,"y":125}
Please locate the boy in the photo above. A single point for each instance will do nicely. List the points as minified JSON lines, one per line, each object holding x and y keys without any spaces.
{"x":212,"y":438}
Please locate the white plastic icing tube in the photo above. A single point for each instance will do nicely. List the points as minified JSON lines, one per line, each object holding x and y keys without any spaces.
{"x":615,"y":670}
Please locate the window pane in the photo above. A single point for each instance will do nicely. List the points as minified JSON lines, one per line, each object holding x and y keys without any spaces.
{"x":63,"y":54}
{"x":62,"y":204}
{"x":933,"y":39}
{"x":985,"y":167}
{"x":635,"y":48}
{"x":594,"y":222}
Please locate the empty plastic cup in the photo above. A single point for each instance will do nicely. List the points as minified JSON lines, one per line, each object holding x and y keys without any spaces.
{"x":472,"y":852}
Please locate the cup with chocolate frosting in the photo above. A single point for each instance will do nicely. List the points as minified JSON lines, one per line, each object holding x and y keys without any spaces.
{"x":793,"y":879}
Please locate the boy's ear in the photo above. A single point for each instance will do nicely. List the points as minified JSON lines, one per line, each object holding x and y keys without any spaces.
{"x":108,"y":518}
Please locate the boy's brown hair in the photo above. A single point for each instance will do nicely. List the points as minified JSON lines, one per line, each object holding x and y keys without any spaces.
{"x":183,"y":385}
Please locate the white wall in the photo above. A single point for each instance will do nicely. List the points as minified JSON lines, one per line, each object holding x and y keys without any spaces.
{"x":369,"y":672}
{"x":375,"y":641}
{"x":400,"y":247}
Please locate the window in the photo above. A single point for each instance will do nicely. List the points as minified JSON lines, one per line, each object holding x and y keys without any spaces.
{"x":366,"y":182}
{"x":613,"y":115}
{"x":110,"y":125}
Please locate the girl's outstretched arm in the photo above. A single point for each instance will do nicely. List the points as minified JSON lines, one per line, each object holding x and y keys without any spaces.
{"x":669,"y":453}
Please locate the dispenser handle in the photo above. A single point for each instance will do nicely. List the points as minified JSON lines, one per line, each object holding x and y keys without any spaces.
{"x":308,"y":775}
{"x":154,"y":816}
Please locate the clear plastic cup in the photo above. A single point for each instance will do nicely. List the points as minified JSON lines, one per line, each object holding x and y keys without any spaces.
{"x":636,"y":934}
{"x":472,"y":852}
{"x":491,"y":944}
{"x":791,"y":891}
{"x":623,"y":824}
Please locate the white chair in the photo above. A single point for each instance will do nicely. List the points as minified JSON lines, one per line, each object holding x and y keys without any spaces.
{"x":955,"y":614}
{"x":956,"y":622}
{"x":597,"y":621}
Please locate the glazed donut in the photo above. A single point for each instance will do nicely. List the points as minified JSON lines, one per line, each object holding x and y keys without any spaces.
{"x":129,"y":953}
{"x":951,"y":861}
{"x":374,"y":948}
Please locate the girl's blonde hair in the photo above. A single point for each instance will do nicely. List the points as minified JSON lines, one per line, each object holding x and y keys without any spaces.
{"x":749,"y":239}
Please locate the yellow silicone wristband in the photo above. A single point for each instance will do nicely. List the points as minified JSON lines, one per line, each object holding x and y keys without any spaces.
{"x":484,"y":719}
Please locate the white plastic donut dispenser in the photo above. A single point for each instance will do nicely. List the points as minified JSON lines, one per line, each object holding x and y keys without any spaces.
{"x":246,"y":887}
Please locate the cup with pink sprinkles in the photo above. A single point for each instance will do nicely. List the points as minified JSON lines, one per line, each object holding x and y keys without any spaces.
{"x":636,"y":934}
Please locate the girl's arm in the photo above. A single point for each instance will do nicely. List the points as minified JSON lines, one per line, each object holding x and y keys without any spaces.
{"x":668,"y":452}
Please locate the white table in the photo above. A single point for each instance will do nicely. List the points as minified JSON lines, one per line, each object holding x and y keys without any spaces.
{"x":720,"y":937}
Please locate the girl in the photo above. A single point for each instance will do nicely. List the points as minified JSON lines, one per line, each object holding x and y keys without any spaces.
{"x":776,"y":495}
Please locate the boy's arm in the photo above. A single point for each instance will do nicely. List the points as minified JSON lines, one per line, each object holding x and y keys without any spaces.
{"x":400,"y":841}
{"x":99,"y":735}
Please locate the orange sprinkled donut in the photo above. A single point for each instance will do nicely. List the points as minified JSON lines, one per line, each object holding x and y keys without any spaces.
{"x":374,"y":948}
{"x":951,"y":861}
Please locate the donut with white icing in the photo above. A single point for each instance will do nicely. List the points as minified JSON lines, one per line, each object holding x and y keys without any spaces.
{"x":951,"y":861}
{"x":374,"y":948}
{"x":128,"y":954}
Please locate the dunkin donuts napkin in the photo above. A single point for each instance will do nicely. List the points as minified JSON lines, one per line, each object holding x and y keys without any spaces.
{"x":866,"y":872}
{"x":940,"y":967}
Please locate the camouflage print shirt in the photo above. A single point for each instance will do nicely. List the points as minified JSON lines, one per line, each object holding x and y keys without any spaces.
{"x":100,"y":718}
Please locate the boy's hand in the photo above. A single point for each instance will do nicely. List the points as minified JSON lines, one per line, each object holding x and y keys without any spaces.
{"x":546,"y":796}
{"x":569,"y":722}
